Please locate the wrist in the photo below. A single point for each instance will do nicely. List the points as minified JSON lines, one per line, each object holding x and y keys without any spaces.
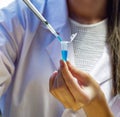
{"x":98,"y":106}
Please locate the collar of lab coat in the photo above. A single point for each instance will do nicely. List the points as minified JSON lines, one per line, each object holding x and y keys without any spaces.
{"x":102,"y":70}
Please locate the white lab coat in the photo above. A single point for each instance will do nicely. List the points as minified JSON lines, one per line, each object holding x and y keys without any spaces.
{"x":29,"y":54}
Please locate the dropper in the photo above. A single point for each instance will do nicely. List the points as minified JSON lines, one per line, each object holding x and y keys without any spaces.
{"x":39,"y":15}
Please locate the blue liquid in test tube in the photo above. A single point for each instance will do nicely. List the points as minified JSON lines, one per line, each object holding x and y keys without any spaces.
{"x":64,"y":50}
{"x":64,"y":55}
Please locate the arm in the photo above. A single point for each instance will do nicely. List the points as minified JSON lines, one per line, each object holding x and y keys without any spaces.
{"x":11,"y":34}
{"x":18,"y":25}
{"x":99,"y":107}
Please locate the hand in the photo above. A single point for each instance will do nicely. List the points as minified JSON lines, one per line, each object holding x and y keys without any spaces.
{"x":76,"y":89}
{"x":73,"y":87}
{"x":59,"y":89}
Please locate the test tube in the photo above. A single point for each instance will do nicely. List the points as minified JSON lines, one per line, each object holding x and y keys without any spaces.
{"x":64,"y":50}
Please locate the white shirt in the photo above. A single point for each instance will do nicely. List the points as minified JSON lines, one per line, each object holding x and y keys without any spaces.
{"x":89,"y":43}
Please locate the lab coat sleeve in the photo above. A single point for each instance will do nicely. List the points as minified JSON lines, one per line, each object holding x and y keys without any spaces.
{"x":16,"y":23}
{"x":11,"y":35}
{"x":115,"y":106}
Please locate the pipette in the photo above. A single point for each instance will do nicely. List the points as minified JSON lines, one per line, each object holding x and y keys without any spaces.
{"x":39,"y":15}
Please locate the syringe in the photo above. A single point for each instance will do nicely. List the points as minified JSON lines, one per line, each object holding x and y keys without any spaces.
{"x":39,"y":15}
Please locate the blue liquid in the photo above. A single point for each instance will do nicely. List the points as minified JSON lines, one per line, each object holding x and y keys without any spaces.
{"x":59,"y":38}
{"x":64,"y":55}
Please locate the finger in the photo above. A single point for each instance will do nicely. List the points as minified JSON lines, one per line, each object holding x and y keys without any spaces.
{"x":85,"y":80}
{"x":52,"y":79}
{"x":73,"y":85}
{"x":79,"y":74}
{"x":77,"y":106}
{"x":66,"y":74}
{"x":63,"y":95}
{"x":52,"y":83}
{"x":60,"y":80}
{"x":83,"y":77}
{"x":61,"y":92}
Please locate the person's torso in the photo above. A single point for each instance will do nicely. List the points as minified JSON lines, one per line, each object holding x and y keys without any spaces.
{"x":40,"y":53}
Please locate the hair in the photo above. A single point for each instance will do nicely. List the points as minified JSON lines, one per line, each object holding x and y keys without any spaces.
{"x":113,"y":41}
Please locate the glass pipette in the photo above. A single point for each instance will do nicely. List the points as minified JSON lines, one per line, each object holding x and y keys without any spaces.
{"x":39,"y":15}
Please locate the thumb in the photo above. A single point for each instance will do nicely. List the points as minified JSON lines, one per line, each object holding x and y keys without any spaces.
{"x":70,"y":81}
{"x":65,"y":71}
